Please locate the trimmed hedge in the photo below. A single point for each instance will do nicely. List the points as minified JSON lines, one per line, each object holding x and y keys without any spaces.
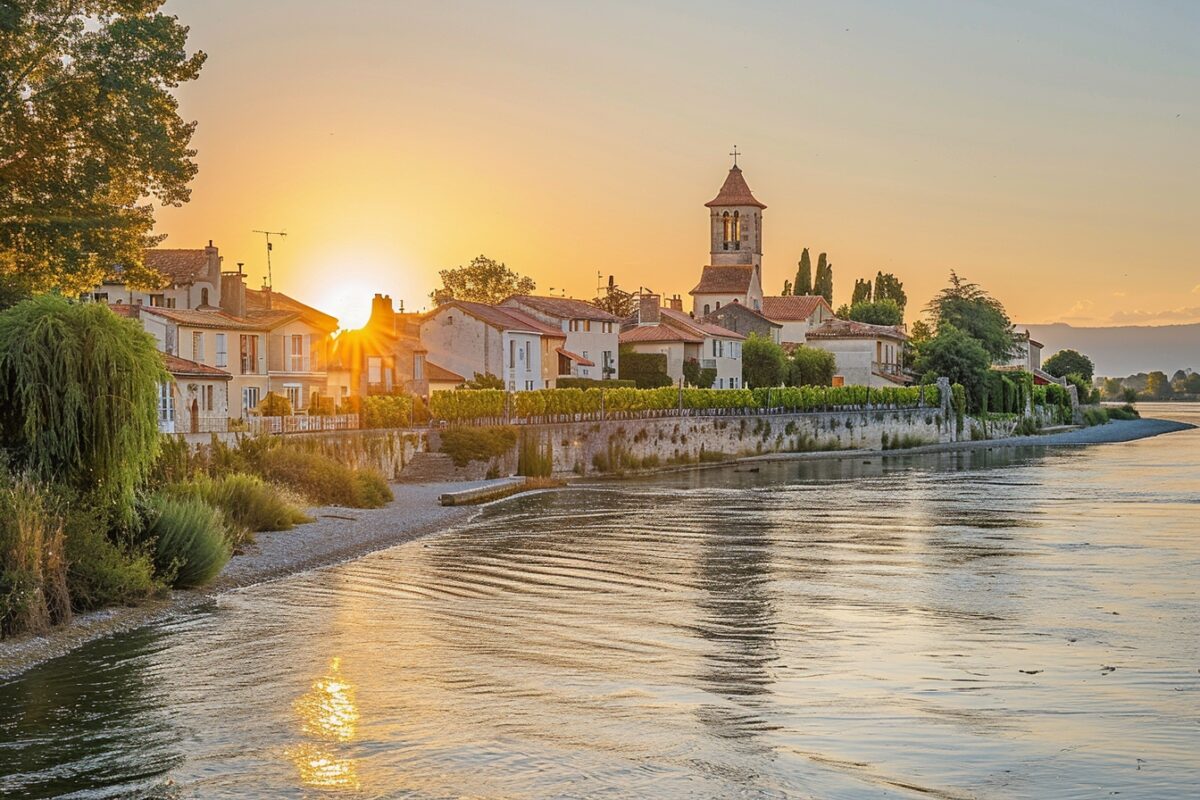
{"x":386,"y":411}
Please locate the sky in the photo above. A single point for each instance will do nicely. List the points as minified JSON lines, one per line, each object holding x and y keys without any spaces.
{"x":1049,"y":151}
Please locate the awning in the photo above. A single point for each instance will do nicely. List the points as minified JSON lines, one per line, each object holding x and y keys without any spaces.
{"x":580,"y":360}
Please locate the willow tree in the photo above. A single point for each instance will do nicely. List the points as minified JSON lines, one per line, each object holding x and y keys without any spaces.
{"x":78,"y":397}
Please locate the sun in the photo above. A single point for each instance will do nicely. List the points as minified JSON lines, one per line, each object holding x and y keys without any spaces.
{"x":350,"y":303}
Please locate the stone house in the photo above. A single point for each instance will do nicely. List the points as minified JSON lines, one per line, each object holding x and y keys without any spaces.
{"x":467,"y":338}
{"x":591,"y":348}
{"x":734,"y":270}
{"x":741,"y":319}
{"x":867,"y":355}
{"x":195,"y":400}
{"x":191,"y":279}
{"x":796,"y":314}
{"x":656,"y":329}
{"x":1028,"y":358}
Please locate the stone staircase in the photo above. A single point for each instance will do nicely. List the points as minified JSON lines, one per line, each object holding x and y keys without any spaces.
{"x":429,"y":468}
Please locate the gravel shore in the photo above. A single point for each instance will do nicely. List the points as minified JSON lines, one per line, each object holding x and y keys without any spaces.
{"x":336,"y":534}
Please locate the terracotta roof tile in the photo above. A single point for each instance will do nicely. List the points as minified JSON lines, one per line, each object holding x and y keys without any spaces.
{"x":714,"y":317}
{"x":178,"y":265}
{"x":659,"y":333}
{"x":580,"y":360}
{"x":440,"y":374}
{"x":789,"y":308}
{"x":734,"y":192}
{"x":849,"y":329}
{"x":182,"y":366}
{"x":507,"y":319}
{"x":256,"y":300}
{"x":724,"y":280}
{"x":197,"y":318}
{"x":563,"y":307}
{"x":681,"y":320}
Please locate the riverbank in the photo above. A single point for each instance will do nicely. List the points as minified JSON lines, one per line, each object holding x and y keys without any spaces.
{"x":339,"y":534}
{"x":336,"y":534}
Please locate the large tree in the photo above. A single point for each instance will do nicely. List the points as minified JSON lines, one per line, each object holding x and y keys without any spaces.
{"x":968,"y":308}
{"x":803,"y":284}
{"x":823,"y":280}
{"x":763,"y":362}
{"x":956,"y":355}
{"x":1070,"y":362}
{"x":879,"y":312}
{"x":481,"y":281}
{"x":811,"y":366}
{"x":616,"y":300}
{"x":889,"y":287}
{"x":862,"y":291}
{"x":89,"y":130}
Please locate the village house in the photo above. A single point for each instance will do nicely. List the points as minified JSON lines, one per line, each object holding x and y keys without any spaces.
{"x":591,"y":349}
{"x":1028,"y":358}
{"x":744,"y":320}
{"x":298,"y":339}
{"x":468,"y":338}
{"x":191,"y":279}
{"x":196,"y":400}
{"x":867,"y":355}
{"x":658,"y":329}
{"x":796,"y":315}
{"x":734,"y":270}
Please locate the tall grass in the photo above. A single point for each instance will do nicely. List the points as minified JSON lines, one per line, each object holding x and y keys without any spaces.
{"x":248,"y":502}
{"x":189,"y":540}
{"x":323,"y":480}
{"x":33,"y":566}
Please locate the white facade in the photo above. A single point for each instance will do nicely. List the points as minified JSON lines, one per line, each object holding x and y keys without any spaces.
{"x":463,"y":343}
{"x":590,"y":332}
{"x":863,"y":362}
{"x":724,"y":355}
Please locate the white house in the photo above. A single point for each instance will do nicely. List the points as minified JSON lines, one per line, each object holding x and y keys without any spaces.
{"x":796,"y":314}
{"x":468,"y":338}
{"x":867,"y":355}
{"x":681,"y":338}
{"x":591,"y":332}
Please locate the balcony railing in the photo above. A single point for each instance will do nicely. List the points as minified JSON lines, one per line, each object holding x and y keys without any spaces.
{"x":708,"y":363}
{"x":887,"y":368}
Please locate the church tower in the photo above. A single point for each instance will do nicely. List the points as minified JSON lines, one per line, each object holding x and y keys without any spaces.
{"x":734,"y":271}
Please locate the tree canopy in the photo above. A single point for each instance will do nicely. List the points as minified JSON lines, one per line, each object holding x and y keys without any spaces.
{"x":889,"y":287}
{"x":811,"y":366}
{"x":482,"y":281}
{"x":1070,"y":362}
{"x":967,"y":308}
{"x":803,"y":283}
{"x":616,"y":300}
{"x":763,"y":362}
{"x":89,"y":128}
{"x":878,"y":312}
{"x":962,"y":358}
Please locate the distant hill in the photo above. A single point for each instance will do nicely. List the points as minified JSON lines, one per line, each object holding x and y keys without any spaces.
{"x":1126,"y":350}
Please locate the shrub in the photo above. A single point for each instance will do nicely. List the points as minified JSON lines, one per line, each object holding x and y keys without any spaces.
{"x":1095,"y":415}
{"x":371,"y":489}
{"x":386,"y":411}
{"x":1027,"y":426}
{"x":811,"y":366}
{"x":646,"y":370}
{"x":465,"y":444}
{"x":320,"y":406}
{"x":1123,"y":412}
{"x":274,"y":405}
{"x":33,"y":570}
{"x":321,"y":479}
{"x":189,"y":541}
{"x":99,"y":571}
{"x":247,"y":501}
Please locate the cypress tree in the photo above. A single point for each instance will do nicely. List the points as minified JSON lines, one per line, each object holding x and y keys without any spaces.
{"x":862,"y":291}
{"x":787,"y":288}
{"x":823,"y":281}
{"x":804,"y":282}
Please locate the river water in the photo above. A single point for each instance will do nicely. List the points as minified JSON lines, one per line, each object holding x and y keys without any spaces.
{"x":992,"y":624}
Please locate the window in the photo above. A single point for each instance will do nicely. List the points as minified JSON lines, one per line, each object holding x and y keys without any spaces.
{"x":170,"y":302}
{"x":293,"y":393}
{"x":249,"y":354}
{"x":418,"y":366}
{"x":449,"y":319}
{"x":222,"y":354}
{"x":156,"y":301}
{"x":512,"y":353}
{"x":198,"y":346}
{"x":249,"y":397}
{"x":206,"y":398}
{"x":737,"y":231}
{"x":528,"y":356}
{"x":728,"y":230}
{"x":714,"y":346}
{"x":607,"y":327}
{"x":720,"y":383}
{"x":204,"y":297}
{"x":166,"y":404}
{"x":529,"y":386}
{"x":297,"y":353}
{"x":587,"y":325}
{"x":100,"y":297}
{"x":374,"y":370}
{"x":707,"y":309}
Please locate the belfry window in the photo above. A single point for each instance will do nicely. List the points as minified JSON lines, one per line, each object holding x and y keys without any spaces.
{"x":727,"y":235}
{"x":737,"y":231}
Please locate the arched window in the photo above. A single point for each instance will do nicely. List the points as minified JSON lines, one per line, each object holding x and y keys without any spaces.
{"x":718,"y":304}
{"x":706,"y":309}
{"x":204,"y":297}
{"x":737,"y":231}
{"x":728,"y":232}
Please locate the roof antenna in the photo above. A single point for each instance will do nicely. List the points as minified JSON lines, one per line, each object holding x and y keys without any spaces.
{"x":271,"y":283}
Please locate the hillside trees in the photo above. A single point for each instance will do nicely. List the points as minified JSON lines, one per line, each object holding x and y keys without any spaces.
{"x":89,"y":129}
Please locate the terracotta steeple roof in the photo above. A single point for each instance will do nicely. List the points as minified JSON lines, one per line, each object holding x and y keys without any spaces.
{"x":734,"y":192}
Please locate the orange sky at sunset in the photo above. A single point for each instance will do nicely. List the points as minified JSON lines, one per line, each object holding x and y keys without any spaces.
{"x":1049,"y":151}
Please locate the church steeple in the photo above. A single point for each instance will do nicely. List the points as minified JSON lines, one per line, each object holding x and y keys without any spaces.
{"x":736,"y":222}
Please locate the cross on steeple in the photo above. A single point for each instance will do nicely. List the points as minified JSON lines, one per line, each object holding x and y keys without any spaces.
{"x":735,"y":154}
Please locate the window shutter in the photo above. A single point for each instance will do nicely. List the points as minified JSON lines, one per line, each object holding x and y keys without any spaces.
{"x":308,"y":352}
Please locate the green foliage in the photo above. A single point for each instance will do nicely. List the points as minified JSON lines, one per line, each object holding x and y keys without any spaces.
{"x":467,"y":404}
{"x":956,"y":355}
{"x":321,"y":479}
{"x":1095,"y":415}
{"x":968,"y":308}
{"x":1083,"y":388}
{"x":695,"y":375}
{"x":101,"y":570}
{"x":386,"y":411}
{"x":862,"y":291}
{"x":823,"y":280}
{"x":482,"y":281}
{"x":467,"y":444}
{"x":889,"y":287}
{"x":1123,"y":412}
{"x":274,"y":405}
{"x":616,"y":300}
{"x":189,"y":541}
{"x":591,"y":383}
{"x":1157,"y":386}
{"x":879,"y":312}
{"x":89,"y":130}
{"x":1067,"y":362}
{"x":811,"y":366}
{"x":904,"y":441}
{"x":78,"y":397}
{"x":484,"y":381}
{"x":247,"y":501}
{"x":646,"y":370}
{"x":763,"y":362}
{"x":958,"y":400}
{"x":787,"y":288}
{"x":320,"y":406}
{"x":33,"y":567}
{"x":803,"y":284}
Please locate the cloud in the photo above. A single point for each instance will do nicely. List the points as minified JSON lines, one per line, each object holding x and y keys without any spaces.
{"x":1190,"y":314}
{"x":1080,"y":312}
{"x":1119,"y":294}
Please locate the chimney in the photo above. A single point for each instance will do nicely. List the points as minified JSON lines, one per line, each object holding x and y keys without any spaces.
{"x":233,"y":293}
{"x":266,"y":290}
{"x":382,"y":315}
{"x":648,"y":311}
{"x":676,"y":304}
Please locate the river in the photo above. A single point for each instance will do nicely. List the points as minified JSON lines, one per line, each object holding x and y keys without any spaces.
{"x":985,"y":624}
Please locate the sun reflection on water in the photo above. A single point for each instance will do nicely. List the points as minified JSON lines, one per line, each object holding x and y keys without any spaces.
{"x":327,"y":713}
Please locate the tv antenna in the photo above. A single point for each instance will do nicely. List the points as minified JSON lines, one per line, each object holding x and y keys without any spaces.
{"x":270,"y":281}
